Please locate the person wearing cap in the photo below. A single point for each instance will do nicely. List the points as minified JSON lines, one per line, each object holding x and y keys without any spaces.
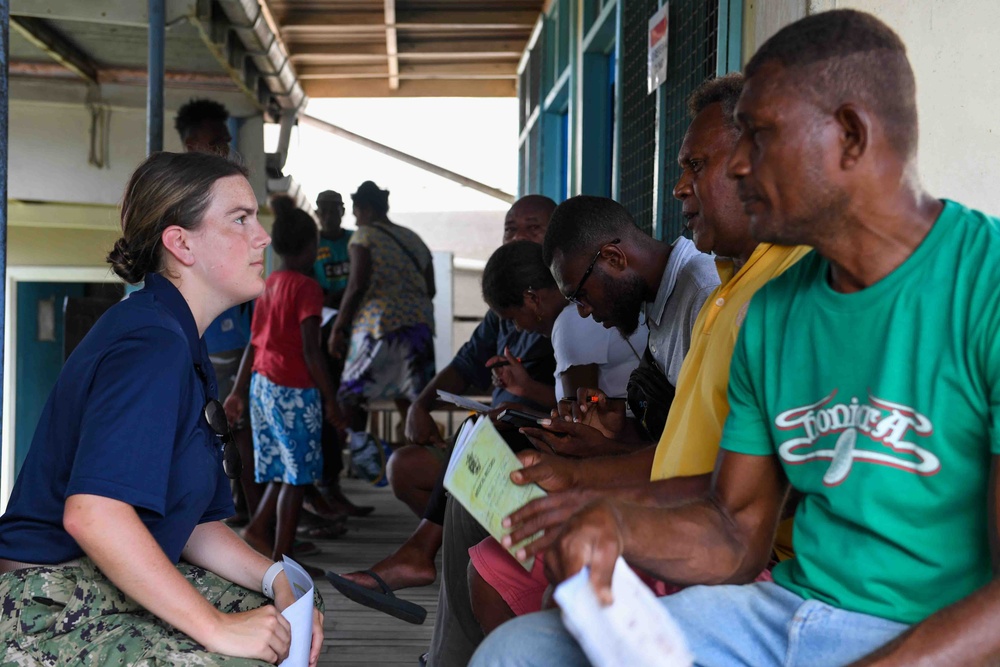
{"x":332,"y":261}
{"x":331,"y":269}
{"x":385,"y":328}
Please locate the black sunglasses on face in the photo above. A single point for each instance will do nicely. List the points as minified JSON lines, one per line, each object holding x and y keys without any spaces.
{"x":215,"y":415}
{"x":586,"y":274}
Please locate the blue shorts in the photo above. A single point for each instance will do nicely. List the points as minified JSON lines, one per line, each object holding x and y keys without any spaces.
{"x":760,"y":624}
{"x":287,"y":425}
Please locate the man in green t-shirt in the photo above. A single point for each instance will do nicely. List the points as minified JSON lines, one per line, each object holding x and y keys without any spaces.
{"x":866,"y":378}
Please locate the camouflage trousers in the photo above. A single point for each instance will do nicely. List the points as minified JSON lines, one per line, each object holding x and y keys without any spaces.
{"x":73,"y":615}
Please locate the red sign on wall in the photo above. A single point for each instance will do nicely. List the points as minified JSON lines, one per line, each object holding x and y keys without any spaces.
{"x":659,"y":28}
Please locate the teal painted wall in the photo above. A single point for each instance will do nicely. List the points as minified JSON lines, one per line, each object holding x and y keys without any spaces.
{"x":578,"y":67}
{"x":38,"y":362}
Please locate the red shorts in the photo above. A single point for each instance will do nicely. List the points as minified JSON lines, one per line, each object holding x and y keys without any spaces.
{"x":524,"y":591}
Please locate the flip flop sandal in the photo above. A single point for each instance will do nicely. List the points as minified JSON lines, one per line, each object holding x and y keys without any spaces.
{"x":384,"y":600}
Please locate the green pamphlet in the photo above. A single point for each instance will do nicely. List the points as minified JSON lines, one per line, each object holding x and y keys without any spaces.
{"x":478,"y":477}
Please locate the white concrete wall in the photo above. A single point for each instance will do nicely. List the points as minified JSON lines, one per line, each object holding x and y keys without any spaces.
{"x":49,"y":130}
{"x":49,"y":145}
{"x":952,"y":48}
{"x":763,"y":18}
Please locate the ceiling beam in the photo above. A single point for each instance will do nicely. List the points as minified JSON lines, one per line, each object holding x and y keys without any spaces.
{"x":380,"y":88}
{"x":505,"y":47}
{"x":391,"y":50}
{"x":340,"y":51}
{"x":60,"y":49}
{"x":418,"y":57}
{"x":375,"y":70}
{"x":297,"y":21}
{"x":331,"y":21}
{"x":315,"y":61}
{"x":416,"y":70}
{"x":303,"y":50}
{"x":126,"y":75}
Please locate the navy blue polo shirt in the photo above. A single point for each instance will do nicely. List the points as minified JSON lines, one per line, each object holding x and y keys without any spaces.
{"x":124,"y":421}
{"x":488,"y":340}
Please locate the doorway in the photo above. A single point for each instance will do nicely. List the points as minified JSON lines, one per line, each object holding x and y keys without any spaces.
{"x":35,"y":342}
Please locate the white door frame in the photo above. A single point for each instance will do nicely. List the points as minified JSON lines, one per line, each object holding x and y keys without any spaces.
{"x":16,"y":274}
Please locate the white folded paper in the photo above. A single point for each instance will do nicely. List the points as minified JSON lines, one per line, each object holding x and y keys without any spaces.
{"x":634,"y":631}
{"x":463,"y":402}
{"x":299,"y":615}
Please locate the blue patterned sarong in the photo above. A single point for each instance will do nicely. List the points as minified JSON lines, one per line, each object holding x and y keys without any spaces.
{"x":287,"y":423}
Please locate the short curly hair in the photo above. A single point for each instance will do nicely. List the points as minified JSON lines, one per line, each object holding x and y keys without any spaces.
{"x":292,"y":232}
{"x":196,"y":112}
{"x":725,"y":90}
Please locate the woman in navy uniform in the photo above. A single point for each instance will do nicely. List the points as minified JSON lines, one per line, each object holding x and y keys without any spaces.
{"x":112,"y":548}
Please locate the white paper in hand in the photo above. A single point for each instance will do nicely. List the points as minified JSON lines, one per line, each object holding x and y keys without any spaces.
{"x":634,"y":631}
{"x":463,"y":402}
{"x":299,"y":614}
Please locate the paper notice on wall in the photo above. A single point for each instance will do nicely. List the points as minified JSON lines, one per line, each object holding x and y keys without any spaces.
{"x":659,"y":26}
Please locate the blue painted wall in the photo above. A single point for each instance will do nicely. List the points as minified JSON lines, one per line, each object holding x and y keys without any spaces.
{"x":38,"y":362}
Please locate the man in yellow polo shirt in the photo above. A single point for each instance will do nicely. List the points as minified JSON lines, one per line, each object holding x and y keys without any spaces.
{"x":680,"y":466}
{"x":690,"y":440}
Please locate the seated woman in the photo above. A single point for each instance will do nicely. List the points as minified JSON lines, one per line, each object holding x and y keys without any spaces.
{"x":519,"y":287}
{"x":112,"y":549}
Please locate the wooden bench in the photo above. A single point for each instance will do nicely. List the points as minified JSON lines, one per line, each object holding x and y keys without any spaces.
{"x":383,"y":418}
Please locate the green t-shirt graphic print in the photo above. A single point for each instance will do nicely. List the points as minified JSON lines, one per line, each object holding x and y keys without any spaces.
{"x":883,"y":407}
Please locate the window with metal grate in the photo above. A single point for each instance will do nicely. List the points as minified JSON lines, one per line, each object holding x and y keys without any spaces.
{"x":691,"y":60}
{"x":638,"y":117}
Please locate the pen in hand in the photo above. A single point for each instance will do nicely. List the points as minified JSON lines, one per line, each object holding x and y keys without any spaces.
{"x":569,"y":399}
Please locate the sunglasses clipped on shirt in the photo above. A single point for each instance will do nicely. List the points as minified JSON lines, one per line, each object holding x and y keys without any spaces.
{"x":215,"y":415}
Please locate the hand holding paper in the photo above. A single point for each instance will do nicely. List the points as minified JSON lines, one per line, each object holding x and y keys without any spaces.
{"x":634,"y":630}
{"x":594,"y":537}
{"x":478,"y":476}
{"x":299,"y":614}
{"x":462,"y":401}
